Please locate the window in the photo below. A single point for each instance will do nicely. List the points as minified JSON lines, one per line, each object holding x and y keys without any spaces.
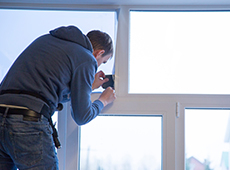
{"x":176,"y":61}
{"x":179,"y":52}
{"x":205,"y":138}
{"x":121,"y":142}
{"x":20,"y":27}
{"x":171,"y":85}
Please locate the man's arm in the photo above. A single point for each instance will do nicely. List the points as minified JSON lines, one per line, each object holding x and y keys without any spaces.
{"x":83,"y":110}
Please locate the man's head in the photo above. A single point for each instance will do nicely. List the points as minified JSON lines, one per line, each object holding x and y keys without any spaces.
{"x":102,"y":46}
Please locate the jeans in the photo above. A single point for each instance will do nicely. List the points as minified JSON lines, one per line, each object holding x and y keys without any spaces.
{"x":26,"y":144}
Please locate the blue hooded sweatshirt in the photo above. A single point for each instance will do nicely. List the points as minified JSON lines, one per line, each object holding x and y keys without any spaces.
{"x":60,"y":67}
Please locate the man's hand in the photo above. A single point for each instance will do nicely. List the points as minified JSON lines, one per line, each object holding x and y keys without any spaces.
{"x":108,"y":96}
{"x":99,"y":80}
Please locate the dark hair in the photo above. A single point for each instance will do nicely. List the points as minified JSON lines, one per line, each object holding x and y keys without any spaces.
{"x":101,"y":41}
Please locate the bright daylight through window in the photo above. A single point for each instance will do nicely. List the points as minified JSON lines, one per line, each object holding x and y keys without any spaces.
{"x":179,"y":52}
{"x":121,"y":143}
{"x":207,"y":139}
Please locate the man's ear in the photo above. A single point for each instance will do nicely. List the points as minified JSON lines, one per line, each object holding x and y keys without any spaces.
{"x":98,"y":53}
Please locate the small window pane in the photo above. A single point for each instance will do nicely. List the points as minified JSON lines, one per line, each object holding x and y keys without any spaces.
{"x":207,"y":139}
{"x":179,"y":52}
{"x":121,"y":143}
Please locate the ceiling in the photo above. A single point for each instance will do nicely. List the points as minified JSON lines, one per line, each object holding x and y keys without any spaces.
{"x":119,"y":2}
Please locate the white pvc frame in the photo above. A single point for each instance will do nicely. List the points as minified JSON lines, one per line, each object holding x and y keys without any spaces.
{"x":170,"y":107}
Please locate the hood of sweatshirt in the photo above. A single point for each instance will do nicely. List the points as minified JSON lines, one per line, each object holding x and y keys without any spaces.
{"x":73,"y":34}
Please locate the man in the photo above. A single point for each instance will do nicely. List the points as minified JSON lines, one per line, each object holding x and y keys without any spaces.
{"x":55,"y":68}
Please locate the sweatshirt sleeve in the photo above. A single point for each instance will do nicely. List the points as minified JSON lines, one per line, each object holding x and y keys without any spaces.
{"x":83,"y":110}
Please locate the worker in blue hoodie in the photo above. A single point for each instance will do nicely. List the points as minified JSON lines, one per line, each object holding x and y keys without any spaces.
{"x":57,"y":67}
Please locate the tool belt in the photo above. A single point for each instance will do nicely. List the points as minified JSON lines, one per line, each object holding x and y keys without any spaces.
{"x":30,"y":115}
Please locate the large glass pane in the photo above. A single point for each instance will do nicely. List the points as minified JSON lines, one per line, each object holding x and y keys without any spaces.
{"x":121,"y":143}
{"x":179,"y":52}
{"x":207,"y":144}
{"x":20,"y":27}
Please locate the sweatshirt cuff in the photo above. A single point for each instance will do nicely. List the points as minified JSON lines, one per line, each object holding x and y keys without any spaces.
{"x":100,"y":104}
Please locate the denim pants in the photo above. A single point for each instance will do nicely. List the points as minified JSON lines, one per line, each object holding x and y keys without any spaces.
{"x":26,"y":144}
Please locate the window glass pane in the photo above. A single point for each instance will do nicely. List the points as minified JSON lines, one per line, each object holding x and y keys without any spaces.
{"x":179,"y":52}
{"x":121,"y":143}
{"x":207,"y":139}
{"x":20,"y":27}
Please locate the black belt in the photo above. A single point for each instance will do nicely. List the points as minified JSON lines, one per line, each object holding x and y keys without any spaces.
{"x":28,"y":115}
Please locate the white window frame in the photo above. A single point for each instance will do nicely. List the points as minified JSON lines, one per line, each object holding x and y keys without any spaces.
{"x":170,"y":107}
